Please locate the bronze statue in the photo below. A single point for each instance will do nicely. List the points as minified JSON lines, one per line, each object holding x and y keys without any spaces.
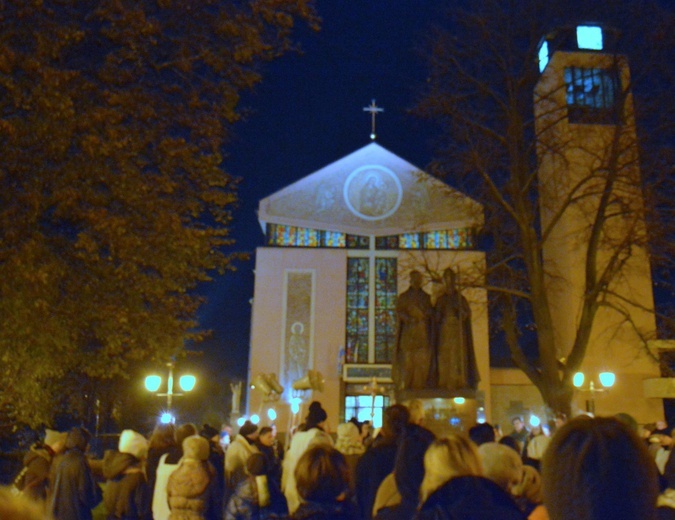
{"x":456,"y":359}
{"x":413,"y":356}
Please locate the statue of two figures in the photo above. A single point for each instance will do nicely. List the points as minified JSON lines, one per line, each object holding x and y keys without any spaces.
{"x":434,"y":347}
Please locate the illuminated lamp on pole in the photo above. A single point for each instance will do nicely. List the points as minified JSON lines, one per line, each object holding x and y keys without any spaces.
{"x":186,"y":382}
{"x":607,"y":380}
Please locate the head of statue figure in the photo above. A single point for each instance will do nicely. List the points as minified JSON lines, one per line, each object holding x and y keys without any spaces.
{"x":450,"y":278}
{"x":415,"y":279}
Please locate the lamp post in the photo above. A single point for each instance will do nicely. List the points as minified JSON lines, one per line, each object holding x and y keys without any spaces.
{"x":607,"y":380}
{"x":186,"y":382}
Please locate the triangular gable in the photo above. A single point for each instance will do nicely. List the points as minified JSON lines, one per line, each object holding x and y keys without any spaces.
{"x":371,"y":192}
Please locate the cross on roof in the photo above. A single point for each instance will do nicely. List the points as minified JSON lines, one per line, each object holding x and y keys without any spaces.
{"x":373,"y":109}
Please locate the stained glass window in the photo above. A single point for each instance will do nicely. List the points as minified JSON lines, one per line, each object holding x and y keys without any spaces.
{"x":461,"y":238}
{"x":358,"y":242}
{"x":409,"y":241}
{"x":385,"y":309}
{"x":358,"y":276}
{"x":389,"y":242}
{"x":292,"y":236}
{"x":334,"y":239}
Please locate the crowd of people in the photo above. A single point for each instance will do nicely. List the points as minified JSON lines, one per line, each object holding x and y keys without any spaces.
{"x":586,"y":469}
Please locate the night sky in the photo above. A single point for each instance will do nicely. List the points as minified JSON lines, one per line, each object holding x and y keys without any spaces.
{"x":307,"y":113}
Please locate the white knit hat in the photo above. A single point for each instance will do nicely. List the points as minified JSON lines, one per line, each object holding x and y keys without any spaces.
{"x":133,"y":443}
{"x":53,"y":438}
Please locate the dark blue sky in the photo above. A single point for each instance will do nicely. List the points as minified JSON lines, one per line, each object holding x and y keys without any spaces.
{"x":307,"y":113}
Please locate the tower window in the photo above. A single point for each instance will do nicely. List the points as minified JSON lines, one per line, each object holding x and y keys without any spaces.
{"x":589,"y":37}
{"x":592,"y":95}
{"x":543,"y":56}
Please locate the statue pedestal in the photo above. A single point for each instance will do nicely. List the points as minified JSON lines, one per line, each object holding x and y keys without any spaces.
{"x":445,"y":410}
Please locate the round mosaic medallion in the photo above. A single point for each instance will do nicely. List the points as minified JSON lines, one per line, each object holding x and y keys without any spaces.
{"x":373,"y":192}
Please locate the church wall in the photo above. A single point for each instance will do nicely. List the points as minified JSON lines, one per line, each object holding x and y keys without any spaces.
{"x":513,"y":394}
{"x":299,"y":305}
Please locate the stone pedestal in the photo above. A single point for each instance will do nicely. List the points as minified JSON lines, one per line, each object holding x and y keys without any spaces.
{"x":445,"y":410}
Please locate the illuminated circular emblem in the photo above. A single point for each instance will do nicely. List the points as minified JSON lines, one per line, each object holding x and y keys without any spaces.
{"x":373,"y":192}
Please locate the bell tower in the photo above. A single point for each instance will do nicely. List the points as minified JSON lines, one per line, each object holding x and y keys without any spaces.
{"x":592,"y":213}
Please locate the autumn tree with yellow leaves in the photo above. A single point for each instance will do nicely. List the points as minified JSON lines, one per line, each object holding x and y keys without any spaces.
{"x":114,"y":202}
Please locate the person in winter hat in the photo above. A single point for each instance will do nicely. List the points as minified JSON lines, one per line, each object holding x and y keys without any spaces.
{"x":192,"y":489}
{"x":33,"y":480}
{"x":241,"y":448}
{"x":168,"y":462}
{"x":313,"y":434}
{"x":216,"y":454}
{"x":127,"y":492}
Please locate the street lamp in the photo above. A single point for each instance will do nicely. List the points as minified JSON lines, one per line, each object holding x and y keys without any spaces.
{"x":186,"y":382}
{"x":607,"y":380}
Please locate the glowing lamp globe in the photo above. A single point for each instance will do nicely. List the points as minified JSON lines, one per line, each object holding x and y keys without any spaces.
{"x":255,"y":419}
{"x":272,"y":414}
{"x":459,"y":400}
{"x":241,"y":421}
{"x":166,"y":418}
{"x":578,"y":379}
{"x":152,"y":383}
{"x":607,"y":379}
{"x":535,"y":421}
{"x":187,"y":382}
{"x":295,"y":405}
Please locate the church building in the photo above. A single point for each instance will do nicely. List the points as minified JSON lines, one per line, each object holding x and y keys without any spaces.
{"x":341,"y":244}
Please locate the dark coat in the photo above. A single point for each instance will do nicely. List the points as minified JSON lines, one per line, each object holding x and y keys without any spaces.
{"x":325,"y":511}
{"x":74,"y":491}
{"x":151,"y":463}
{"x":469,"y":498}
{"x":371,"y":469}
{"x":408,"y":473}
{"x":37,"y":463}
{"x":127,"y":492}
{"x":272,"y":463}
{"x":244,"y":503}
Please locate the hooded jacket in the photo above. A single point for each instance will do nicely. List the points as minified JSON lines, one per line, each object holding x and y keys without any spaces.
{"x":37,"y":463}
{"x":127,"y":493}
{"x":74,"y":491}
{"x":192,"y":491}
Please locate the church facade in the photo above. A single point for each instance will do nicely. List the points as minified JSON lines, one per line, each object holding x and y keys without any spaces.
{"x":341,"y":244}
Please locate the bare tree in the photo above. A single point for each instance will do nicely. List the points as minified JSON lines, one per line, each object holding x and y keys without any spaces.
{"x":503,"y":139}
